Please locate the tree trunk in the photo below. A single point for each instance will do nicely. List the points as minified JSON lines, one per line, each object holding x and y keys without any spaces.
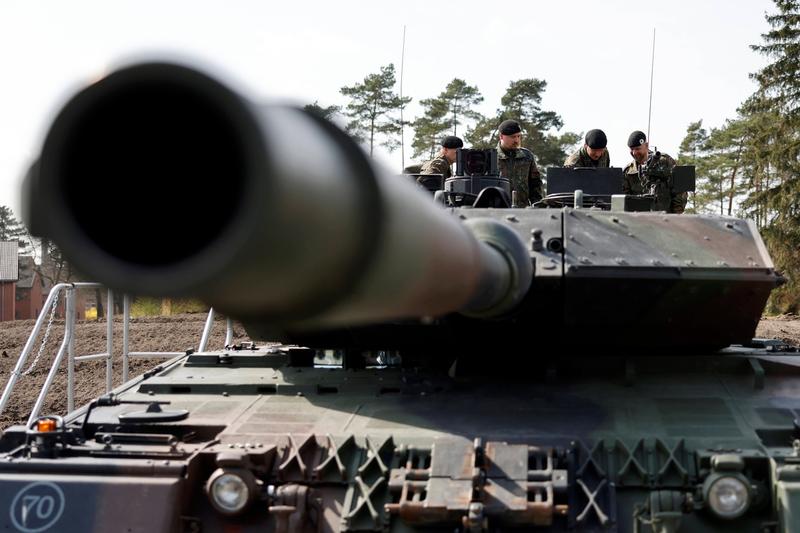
{"x":98,"y":295}
{"x":757,"y":187}
{"x":733,"y":179}
{"x":372,"y":120}
{"x":455,"y":122}
{"x":731,"y":191}
{"x":371,"y":135}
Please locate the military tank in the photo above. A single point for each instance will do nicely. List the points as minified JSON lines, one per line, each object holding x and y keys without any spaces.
{"x":443,"y":369}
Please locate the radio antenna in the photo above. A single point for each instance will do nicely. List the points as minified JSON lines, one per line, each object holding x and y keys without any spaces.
{"x":652,"y":66}
{"x":402,"y":135}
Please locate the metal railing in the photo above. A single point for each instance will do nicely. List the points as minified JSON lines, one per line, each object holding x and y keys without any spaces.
{"x":68,"y":345}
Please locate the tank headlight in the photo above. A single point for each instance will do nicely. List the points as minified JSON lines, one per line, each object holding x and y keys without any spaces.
{"x":230,"y":491}
{"x":728,"y":496}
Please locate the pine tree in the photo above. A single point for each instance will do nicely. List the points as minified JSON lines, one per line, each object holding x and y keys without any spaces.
{"x":430,"y":127}
{"x":692,"y":152}
{"x":762,"y":146}
{"x":693,"y":145}
{"x":373,"y":103}
{"x":328,"y":113}
{"x":522,"y":102}
{"x":443,"y":114}
{"x":12,"y":229}
{"x":460,"y":99}
{"x":726,"y":145}
{"x":779,"y":95}
{"x":751,"y":165}
{"x":778,"y":82}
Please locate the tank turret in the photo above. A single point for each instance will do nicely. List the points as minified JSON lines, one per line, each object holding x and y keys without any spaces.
{"x":277,"y":217}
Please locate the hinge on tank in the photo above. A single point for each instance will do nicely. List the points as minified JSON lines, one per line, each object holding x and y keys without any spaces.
{"x":473,"y":485}
{"x":758,"y":373}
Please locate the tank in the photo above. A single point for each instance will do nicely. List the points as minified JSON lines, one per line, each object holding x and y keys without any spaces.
{"x":442,"y":369}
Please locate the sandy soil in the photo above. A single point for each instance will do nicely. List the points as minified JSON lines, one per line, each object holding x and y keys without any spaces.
{"x":786,"y":328}
{"x":174,"y":333}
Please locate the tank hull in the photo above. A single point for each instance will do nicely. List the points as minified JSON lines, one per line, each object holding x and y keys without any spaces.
{"x":402,"y":450}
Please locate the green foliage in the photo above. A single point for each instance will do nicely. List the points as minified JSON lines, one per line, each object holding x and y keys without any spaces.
{"x":12,"y":229}
{"x":522,"y":102}
{"x":720,"y":161}
{"x":145,"y":306}
{"x":750,"y":166}
{"x":373,"y":103}
{"x":460,"y":98}
{"x":188,"y":306}
{"x":484,"y":133}
{"x":325,"y":112}
{"x":692,"y":151}
{"x":778,"y":82}
{"x":777,"y":102}
{"x":440,"y":114}
{"x":430,"y":127}
{"x":554,"y":149}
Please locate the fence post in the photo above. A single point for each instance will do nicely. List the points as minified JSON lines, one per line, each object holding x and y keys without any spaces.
{"x":206,"y":331}
{"x":23,"y":358}
{"x":54,"y":367}
{"x":69,"y":327}
{"x":126,"y":318}
{"x":228,"y":332}
{"x":109,"y":340}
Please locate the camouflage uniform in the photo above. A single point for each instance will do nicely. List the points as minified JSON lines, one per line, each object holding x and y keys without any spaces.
{"x":437,"y":165}
{"x":581,"y":159}
{"x":666,"y":200}
{"x":521,"y":169}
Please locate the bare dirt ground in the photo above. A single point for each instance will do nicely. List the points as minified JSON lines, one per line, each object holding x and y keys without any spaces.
{"x":173,"y":333}
{"x":147,"y":334}
{"x":786,"y":328}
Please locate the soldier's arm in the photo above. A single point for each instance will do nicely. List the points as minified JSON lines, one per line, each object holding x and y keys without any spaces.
{"x":535,"y":188}
{"x":678,"y":202}
{"x":435,"y":166}
{"x":626,"y":181}
{"x":443,"y":166}
{"x":572,"y":160}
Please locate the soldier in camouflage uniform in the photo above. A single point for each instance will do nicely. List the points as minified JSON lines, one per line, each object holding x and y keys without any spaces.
{"x":518,"y":164}
{"x":447,"y":156}
{"x":658,"y":168}
{"x":593,"y":153}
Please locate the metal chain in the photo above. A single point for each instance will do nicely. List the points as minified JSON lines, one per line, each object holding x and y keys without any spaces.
{"x":46,"y":335}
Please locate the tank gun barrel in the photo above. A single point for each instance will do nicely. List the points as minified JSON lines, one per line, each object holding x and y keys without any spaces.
{"x":262,"y":211}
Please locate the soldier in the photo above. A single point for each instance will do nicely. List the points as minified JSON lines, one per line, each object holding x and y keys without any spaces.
{"x":593,"y":153}
{"x":447,"y":156}
{"x":659,"y":167}
{"x":518,"y":164}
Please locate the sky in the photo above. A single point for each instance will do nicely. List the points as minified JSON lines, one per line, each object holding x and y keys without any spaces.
{"x":595,"y":57}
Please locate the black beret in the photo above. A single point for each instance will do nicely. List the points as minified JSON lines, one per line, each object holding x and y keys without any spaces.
{"x":509,"y":127}
{"x":636,"y":138}
{"x":451,"y":141}
{"x":596,"y":139}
